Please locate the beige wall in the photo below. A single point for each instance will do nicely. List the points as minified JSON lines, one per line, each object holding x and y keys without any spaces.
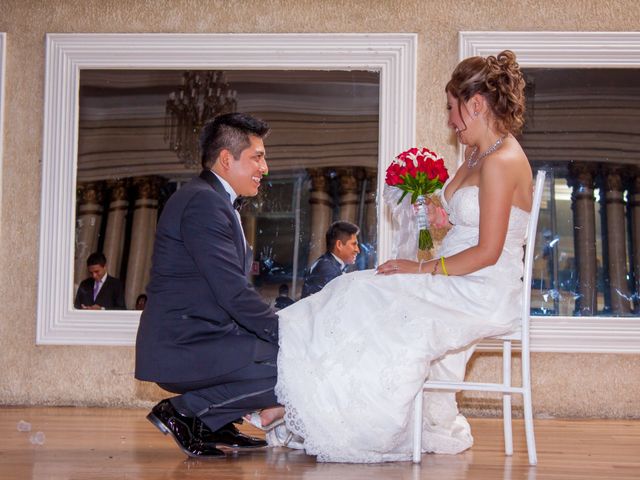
{"x":104,"y":375}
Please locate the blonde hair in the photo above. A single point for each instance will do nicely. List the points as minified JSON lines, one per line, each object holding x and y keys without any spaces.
{"x":499,"y":80}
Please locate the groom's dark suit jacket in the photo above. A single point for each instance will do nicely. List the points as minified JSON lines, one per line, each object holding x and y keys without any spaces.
{"x":202,"y":318}
{"x":323,"y":270}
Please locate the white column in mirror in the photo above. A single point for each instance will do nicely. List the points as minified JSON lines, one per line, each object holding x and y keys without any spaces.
{"x":368,"y":231}
{"x":320,"y":213}
{"x":88,"y":226}
{"x":143,"y":230}
{"x":612,"y":199}
{"x":116,"y":224}
{"x":348,"y":195}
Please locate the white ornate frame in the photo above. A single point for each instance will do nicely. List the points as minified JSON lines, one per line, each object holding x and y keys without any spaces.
{"x":393,"y":55}
{"x":577,"y":50}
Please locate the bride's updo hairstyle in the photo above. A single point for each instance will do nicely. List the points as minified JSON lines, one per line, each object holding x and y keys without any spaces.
{"x":499,"y":80}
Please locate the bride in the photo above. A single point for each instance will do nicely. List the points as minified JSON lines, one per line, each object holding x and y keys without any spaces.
{"x":354,"y":355}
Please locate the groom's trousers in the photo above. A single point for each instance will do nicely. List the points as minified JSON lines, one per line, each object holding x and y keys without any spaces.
{"x":226,"y":398}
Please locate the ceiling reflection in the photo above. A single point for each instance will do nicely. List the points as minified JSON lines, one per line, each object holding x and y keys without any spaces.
{"x":318,"y":119}
{"x":585,"y":115}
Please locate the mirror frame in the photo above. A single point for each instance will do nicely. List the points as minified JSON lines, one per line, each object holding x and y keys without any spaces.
{"x":393,"y":55}
{"x":567,"y":50}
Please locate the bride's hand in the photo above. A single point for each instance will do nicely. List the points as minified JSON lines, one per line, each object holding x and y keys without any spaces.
{"x":397,"y":266}
{"x":436,"y":215}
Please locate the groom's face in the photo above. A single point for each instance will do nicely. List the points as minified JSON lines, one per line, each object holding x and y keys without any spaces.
{"x":245,"y":173}
{"x":348,"y":250}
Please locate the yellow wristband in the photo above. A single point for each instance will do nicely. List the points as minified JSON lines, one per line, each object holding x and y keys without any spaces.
{"x":444,"y":270}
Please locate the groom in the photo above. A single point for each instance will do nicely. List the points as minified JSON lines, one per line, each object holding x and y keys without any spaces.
{"x":205,"y":333}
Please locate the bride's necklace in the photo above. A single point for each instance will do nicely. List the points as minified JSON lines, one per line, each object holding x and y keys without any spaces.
{"x":474,"y":158}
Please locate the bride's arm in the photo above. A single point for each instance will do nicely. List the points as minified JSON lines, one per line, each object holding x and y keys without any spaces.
{"x":498,"y":181}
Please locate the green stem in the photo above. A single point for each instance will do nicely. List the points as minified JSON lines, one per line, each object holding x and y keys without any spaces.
{"x":425,"y":242}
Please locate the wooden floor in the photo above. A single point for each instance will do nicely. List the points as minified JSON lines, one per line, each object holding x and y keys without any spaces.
{"x":91,"y":443}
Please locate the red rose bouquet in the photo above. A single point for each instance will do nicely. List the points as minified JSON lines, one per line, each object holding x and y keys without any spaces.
{"x":420,"y":172}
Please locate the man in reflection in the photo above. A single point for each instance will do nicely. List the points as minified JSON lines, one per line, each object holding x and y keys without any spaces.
{"x":205,"y":333}
{"x":342,"y":250}
{"x":100,"y":291}
{"x":141,"y":301}
{"x":283,"y":300}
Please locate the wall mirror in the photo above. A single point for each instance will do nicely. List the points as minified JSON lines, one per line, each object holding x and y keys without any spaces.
{"x":582,"y":127}
{"x":583,"y":101}
{"x":341,"y":106}
{"x":137,"y":145}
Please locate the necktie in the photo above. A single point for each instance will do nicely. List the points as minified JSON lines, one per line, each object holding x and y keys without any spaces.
{"x":96,"y":290}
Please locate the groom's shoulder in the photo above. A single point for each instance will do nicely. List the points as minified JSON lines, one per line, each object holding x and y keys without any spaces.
{"x":326,"y":262}
{"x":195,"y":187}
{"x":194,"y":194}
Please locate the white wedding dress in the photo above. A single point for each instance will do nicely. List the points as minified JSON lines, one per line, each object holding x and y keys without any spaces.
{"x":354,"y":355}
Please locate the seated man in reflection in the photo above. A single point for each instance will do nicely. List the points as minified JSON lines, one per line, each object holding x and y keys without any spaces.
{"x":100,"y":291}
{"x":283,"y":299}
{"x":342,"y":250}
{"x":141,"y":301}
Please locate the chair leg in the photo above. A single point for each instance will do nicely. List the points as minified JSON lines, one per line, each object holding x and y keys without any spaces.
{"x":528,"y":427}
{"x":506,"y":398}
{"x":528,"y":408}
{"x":417,"y":427}
{"x":506,"y":422}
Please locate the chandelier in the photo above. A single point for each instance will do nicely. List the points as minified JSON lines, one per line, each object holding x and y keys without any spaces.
{"x":202,"y":96}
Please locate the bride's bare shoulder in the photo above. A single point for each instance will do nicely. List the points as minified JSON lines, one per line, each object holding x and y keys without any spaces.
{"x":509,"y":160}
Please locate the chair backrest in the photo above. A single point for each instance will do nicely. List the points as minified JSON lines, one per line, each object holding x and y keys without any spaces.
{"x":532,"y":228}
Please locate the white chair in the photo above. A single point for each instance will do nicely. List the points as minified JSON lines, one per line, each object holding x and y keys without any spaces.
{"x":522,"y":335}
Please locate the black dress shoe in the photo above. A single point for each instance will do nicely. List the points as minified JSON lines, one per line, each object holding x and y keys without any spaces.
{"x":230,"y":436}
{"x":186,"y":431}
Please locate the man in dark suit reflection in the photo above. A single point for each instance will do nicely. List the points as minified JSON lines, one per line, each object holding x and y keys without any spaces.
{"x":100,"y":291}
{"x":205,"y":333}
{"x":342,"y":250}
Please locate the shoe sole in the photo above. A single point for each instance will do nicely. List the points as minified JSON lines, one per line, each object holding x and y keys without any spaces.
{"x":165,"y":431}
{"x":236,"y":447}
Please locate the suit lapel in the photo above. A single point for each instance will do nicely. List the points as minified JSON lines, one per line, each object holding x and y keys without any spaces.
{"x":209,"y":177}
{"x":241,"y":244}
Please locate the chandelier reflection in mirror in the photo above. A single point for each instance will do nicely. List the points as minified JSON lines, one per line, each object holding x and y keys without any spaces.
{"x":202,"y":96}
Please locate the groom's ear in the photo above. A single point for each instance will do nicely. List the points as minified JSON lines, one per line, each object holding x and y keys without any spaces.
{"x":224,"y":158}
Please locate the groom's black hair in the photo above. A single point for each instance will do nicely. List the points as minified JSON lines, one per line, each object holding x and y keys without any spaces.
{"x":230,"y":131}
{"x":340,"y":231}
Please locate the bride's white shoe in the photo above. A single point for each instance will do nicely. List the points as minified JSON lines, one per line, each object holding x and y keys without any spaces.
{"x":280,"y":436}
{"x":277,"y":433}
{"x":254,"y":419}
